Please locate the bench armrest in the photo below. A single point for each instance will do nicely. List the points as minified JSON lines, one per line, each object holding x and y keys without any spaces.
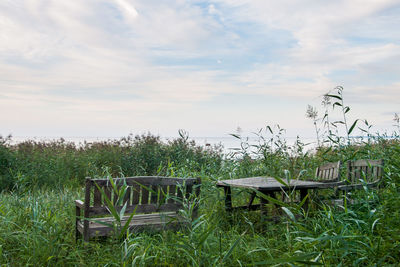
{"x":79,"y":204}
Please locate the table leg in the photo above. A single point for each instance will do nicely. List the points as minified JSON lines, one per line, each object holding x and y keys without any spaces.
{"x":264,"y":208}
{"x":303,"y":194}
{"x":253,"y":195}
{"x":228,"y":198}
{"x":264,"y":202}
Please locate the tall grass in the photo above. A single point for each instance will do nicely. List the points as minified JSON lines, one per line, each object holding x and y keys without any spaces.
{"x":41,"y":180}
{"x":60,"y":163}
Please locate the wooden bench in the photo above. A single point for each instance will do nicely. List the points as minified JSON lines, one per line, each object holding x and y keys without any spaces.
{"x":371,"y":171}
{"x":329,"y":174}
{"x":154,"y":200}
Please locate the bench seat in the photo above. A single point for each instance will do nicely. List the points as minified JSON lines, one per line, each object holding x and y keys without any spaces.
{"x":139,"y":223}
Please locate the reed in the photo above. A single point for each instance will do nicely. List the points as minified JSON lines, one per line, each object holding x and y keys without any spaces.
{"x":40,"y":182}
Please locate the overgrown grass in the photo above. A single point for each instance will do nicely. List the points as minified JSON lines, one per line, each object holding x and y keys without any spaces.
{"x":40,"y":181}
{"x":37,"y":219}
{"x":59,"y":163}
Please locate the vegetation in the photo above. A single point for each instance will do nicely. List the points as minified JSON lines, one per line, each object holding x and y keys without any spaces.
{"x":40,"y":181}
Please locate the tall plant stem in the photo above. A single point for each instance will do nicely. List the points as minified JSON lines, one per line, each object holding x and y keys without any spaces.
{"x":316,"y":131}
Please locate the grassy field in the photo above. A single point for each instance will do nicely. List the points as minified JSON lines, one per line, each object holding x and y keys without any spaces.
{"x":40,"y":181}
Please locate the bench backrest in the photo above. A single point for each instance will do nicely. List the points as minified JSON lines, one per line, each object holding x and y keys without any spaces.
{"x":370,"y":170}
{"x":329,"y":172}
{"x":145,"y":194}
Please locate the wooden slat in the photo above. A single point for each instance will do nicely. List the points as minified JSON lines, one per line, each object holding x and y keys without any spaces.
{"x":375,"y":173}
{"x":323,"y":174}
{"x":135,"y":194}
{"x":127,"y":197}
{"x":171,"y":194}
{"x":138,"y":223}
{"x":163,"y":194}
{"x":179,"y":194}
{"x":366,"y":162}
{"x":107,"y":191}
{"x":149,"y":180}
{"x":154,"y":194}
{"x":145,"y":196}
{"x":189,"y":189}
{"x":142,"y":208}
{"x":115,"y":195}
{"x":317,"y":172}
{"x":97,"y":197}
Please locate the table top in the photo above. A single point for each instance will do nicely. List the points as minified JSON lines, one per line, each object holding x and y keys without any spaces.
{"x":269,"y":184}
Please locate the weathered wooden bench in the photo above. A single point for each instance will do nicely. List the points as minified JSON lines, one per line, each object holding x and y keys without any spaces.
{"x":329,"y":173}
{"x":367,"y":170}
{"x":155,"y":202}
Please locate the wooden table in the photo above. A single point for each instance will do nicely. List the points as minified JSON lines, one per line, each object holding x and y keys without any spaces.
{"x":266,"y":185}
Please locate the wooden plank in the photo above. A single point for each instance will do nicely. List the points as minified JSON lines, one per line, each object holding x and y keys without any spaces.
{"x":163,"y":194}
{"x":329,"y":165}
{"x":127,"y":197}
{"x":171,"y":194}
{"x":107,"y":191}
{"x":317,"y":173}
{"x":269,"y":184}
{"x":140,"y":223}
{"x":179,"y":194}
{"x":135,"y":194}
{"x":97,"y":197}
{"x":115,"y":195}
{"x":149,"y":180}
{"x":365,"y":162}
{"x":141,"y":208}
{"x":189,"y":190}
{"x":154,"y":194}
{"x":145,"y":196}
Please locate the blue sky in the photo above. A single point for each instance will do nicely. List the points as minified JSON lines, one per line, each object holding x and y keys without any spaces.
{"x":110,"y":68}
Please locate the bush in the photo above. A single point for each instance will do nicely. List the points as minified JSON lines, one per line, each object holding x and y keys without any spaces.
{"x":59,"y":163}
{"x":7,"y":161}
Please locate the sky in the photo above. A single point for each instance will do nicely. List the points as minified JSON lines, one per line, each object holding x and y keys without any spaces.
{"x":115,"y":67}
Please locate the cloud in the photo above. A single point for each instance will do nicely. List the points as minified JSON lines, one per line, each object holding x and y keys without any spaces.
{"x":127,"y":9}
{"x":146,"y":57}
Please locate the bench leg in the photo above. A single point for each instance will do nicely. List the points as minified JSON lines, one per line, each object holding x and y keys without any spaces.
{"x":86,"y":231}
{"x":77,"y":215}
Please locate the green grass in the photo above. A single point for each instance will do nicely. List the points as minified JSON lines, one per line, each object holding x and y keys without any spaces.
{"x":40,"y":182}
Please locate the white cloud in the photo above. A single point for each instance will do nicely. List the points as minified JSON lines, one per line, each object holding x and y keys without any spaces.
{"x":128,"y":9}
{"x":146,"y":57}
